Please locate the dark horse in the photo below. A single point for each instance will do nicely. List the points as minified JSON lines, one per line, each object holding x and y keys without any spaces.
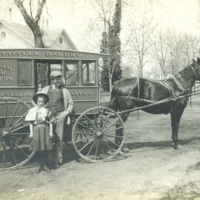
{"x":139,"y":92}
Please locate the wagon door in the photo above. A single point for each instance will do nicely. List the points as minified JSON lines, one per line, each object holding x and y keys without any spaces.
{"x":43,"y":70}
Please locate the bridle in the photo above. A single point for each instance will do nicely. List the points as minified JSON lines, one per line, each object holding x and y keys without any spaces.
{"x":197,"y":75}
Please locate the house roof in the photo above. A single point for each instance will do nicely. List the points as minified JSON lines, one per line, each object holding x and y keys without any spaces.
{"x":49,"y":36}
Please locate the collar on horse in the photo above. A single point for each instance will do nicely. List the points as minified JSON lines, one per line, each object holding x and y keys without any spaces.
{"x":180,"y":83}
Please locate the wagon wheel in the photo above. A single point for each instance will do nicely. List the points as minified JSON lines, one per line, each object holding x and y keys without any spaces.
{"x":14,"y":134}
{"x":96,"y":134}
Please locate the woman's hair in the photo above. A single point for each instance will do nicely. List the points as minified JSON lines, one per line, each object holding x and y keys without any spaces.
{"x":43,"y":97}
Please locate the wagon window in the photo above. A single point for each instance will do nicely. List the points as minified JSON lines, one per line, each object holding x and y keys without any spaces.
{"x":89,"y":73}
{"x":71,"y":74}
{"x":25,"y":73}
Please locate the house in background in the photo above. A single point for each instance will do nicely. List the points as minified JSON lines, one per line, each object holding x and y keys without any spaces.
{"x":13,"y":35}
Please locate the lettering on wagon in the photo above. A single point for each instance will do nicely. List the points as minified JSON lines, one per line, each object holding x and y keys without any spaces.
{"x":3,"y":77}
{"x":19,"y":53}
{"x":40,"y":54}
{"x":16,"y":95}
{"x":64,"y":55}
{"x":82,"y":93}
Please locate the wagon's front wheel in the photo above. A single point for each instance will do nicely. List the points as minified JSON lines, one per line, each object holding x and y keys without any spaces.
{"x":95,"y":135}
{"x":14,"y":134}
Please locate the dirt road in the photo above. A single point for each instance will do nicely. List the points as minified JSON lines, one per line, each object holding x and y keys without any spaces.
{"x":152,"y":170}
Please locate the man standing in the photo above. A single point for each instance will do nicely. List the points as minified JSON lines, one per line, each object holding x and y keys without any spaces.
{"x":61,"y":105}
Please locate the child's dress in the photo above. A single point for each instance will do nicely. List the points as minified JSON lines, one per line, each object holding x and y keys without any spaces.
{"x":40,"y":118}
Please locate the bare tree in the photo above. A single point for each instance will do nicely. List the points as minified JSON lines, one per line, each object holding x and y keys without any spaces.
{"x":161,"y":50}
{"x":183,"y":48}
{"x":142,"y":27}
{"x":33,"y":21}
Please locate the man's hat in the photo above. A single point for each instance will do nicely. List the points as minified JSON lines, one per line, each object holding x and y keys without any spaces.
{"x":42,"y":94}
{"x":55,"y":74}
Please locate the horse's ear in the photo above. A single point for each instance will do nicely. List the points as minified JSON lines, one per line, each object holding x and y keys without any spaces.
{"x":198,"y":60}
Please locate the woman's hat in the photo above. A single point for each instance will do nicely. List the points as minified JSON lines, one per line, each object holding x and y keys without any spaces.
{"x":42,"y":94}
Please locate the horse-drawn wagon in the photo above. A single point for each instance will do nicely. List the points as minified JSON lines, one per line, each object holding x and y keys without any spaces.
{"x":25,"y":71}
{"x":98,"y":132}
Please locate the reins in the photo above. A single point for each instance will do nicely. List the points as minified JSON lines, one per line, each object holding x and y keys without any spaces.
{"x":153,"y":103}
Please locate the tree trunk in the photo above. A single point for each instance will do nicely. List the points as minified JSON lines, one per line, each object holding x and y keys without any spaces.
{"x":38,"y":37}
{"x":33,"y":23}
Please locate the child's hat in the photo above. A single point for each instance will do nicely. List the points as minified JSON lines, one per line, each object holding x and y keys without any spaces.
{"x":42,"y":94}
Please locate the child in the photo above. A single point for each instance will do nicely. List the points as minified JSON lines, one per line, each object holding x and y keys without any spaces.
{"x":41,"y":131}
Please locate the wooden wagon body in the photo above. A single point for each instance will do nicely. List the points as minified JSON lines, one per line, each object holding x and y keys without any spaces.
{"x":23,"y":72}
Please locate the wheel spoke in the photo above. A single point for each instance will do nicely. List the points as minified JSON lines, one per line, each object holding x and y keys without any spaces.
{"x":113,"y":130}
{"x":86,"y":145}
{"x":95,"y":119}
{"x":90,"y":122}
{"x":91,"y":148}
{"x":84,"y":139}
{"x":86,"y":136}
{"x":19,"y":148}
{"x":107,"y":118}
{"x":13,"y":114}
{"x":18,"y":128}
{"x":107,"y":146}
{"x":85,"y":133}
{"x":19,"y":134}
{"x":111,"y":124}
{"x":14,"y":158}
{"x":19,"y":139}
{"x":111,"y":142}
{"x":84,"y":126}
{"x":101,"y":119}
{"x":18,"y":120}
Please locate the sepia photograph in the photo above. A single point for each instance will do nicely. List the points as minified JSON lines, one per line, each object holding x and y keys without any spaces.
{"x":99,"y":99}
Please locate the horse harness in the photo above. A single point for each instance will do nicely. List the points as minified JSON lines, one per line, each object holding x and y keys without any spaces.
{"x":180,"y":83}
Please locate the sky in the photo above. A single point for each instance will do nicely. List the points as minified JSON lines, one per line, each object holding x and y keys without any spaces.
{"x":181,"y":15}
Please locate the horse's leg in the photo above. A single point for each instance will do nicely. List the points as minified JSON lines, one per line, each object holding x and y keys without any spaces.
{"x":119,"y":132}
{"x":175,"y":121}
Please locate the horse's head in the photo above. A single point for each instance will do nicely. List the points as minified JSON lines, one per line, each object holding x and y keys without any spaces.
{"x":196,"y":68}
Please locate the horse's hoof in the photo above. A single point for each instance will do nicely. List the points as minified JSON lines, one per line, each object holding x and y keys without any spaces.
{"x":120,"y":152}
{"x":125,"y":150}
{"x":175,"y":145}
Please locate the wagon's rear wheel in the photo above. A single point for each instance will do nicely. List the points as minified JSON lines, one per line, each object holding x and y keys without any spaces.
{"x":94,"y":134}
{"x":14,"y":134}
